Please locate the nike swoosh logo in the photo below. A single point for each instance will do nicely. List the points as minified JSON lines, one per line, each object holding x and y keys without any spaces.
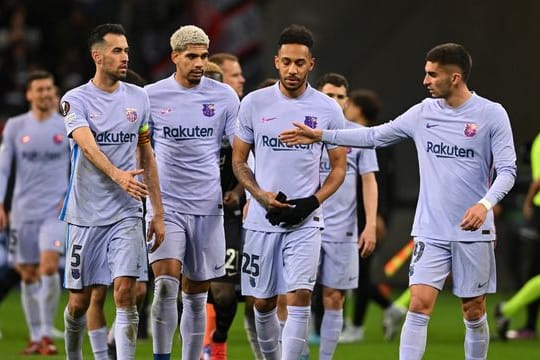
{"x":482,"y":285}
{"x":219,"y":267}
{"x":265,"y":119}
{"x":429,"y":126}
{"x":311,"y":280}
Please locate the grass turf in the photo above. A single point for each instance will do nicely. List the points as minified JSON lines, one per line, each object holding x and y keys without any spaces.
{"x":445,"y":335}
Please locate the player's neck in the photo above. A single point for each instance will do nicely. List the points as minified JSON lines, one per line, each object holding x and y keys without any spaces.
{"x":458,"y":97}
{"x":105,"y":83}
{"x":41,"y":115}
{"x":295,"y":93}
{"x":185,"y":83}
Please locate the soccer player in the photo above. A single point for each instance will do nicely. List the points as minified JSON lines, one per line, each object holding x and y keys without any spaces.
{"x":461,"y":138}
{"x":190,"y":115}
{"x":232,"y":71}
{"x":107,"y":120}
{"x":529,"y":293}
{"x":283,"y":235}
{"x":36,"y":142}
{"x":338,"y":270}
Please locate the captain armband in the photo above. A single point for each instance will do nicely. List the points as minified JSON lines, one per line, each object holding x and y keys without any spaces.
{"x":144,"y":135}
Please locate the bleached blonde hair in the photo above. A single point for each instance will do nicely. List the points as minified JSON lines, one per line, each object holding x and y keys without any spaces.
{"x":188,"y":35}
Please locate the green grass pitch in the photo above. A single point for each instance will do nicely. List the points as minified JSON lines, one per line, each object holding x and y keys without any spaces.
{"x":445,"y":336}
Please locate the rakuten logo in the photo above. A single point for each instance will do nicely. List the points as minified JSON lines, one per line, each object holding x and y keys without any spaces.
{"x":115,"y":138}
{"x":443,"y":150}
{"x":276,"y":145}
{"x":183,"y":133}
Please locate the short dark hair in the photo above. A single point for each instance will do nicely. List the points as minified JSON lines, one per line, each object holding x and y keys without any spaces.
{"x":37,"y":75}
{"x":452,"y":54}
{"x":335,"y":79}
{"x":220,"y":58}
{"x":296,"y":34}
{"x":368,"y":101}
{"x":99,"y":32}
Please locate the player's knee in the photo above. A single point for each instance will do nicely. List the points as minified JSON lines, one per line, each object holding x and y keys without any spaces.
{"x":333,"y":299}
{"x":299,"y":297}
{"x":77,"y":305}
{"x":124,"y":292}
{"x":265,"y":305}
{"x":473,"y":308}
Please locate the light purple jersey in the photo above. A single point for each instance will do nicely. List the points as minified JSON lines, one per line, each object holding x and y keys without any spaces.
{"x":115,"y":119}
{"x":339,"y":209}
{"x":188,"y":125}
{"x":458,"y":151}
{"x":294,"y":170}
{"x":41,"y":154}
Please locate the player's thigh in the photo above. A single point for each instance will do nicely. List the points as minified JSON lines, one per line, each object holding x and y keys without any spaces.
{"x":431,"y":262}
{"x":124,"y":248}
{"x":301,"y":250}
{"x":23,"y":242}
{"x":339,"y":265}
{"x":173,"y":246}
{"x":473,"y":268}
{"x":52,"y":235}
{"x":262,"y":265}
{"x":205,"y":248}
{"x":86,"y":257}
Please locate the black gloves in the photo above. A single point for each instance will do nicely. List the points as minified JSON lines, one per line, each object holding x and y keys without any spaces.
{"x":288,"y":216}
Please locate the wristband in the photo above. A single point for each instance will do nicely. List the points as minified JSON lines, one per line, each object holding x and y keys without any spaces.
{"x":486,"y":203}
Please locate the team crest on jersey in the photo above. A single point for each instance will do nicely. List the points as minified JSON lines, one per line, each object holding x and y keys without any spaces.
{"x":64,"y":108}
{"x":208,"y":110}
{"x":470,"y":129}
{"x":131,"y":114}
{"x":25,"y":139}
{"x":310,"y":121}
{"x":58,"y":138}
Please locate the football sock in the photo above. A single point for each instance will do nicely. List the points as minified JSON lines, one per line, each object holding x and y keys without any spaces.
{"x":267,"y":325}
{"x":295,"y":331}
{"x":30,"y":304}
{"x":413,"y":336}
{"x":330,"y":330}
{"x":98,"y":341}
{"x":192,"y":324}
{"x":476,"y":338}
{"x":49,"y":296}
{"x":74,"y":331}
{"x":127,"y":321}
{"x":164,"y":313}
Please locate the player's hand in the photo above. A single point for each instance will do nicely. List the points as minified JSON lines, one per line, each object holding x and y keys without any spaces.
{"x":297,"y":212}
{"x":527,"y":210}
{"x":156,"y":232}
{"x":474,"y":217}
{"x":3,"y":217}
{"x":231,"y":199}
{"x":303,"y":134}
{"x":367,"y":241}
{"x":268,"y":200}
{"x":127,"y":181}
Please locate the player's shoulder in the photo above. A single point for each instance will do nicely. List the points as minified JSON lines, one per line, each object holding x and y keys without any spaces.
{"x":16,"y":121}
{"x":219,"y":88}
{"x":79,"y":92}
{"x":260,"y":95}
{"x":487,"y":104}
{"x":158,"y":85}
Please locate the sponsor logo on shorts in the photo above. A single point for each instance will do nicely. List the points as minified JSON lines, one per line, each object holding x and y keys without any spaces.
{"x":481,"y":285}
{"x":411,"y":270}
{"x":312,"y":280}
{"x":252,"y":281}
{"x":216,"y":267}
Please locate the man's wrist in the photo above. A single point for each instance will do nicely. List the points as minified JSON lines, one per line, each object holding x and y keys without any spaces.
{"x":486,"y":203}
